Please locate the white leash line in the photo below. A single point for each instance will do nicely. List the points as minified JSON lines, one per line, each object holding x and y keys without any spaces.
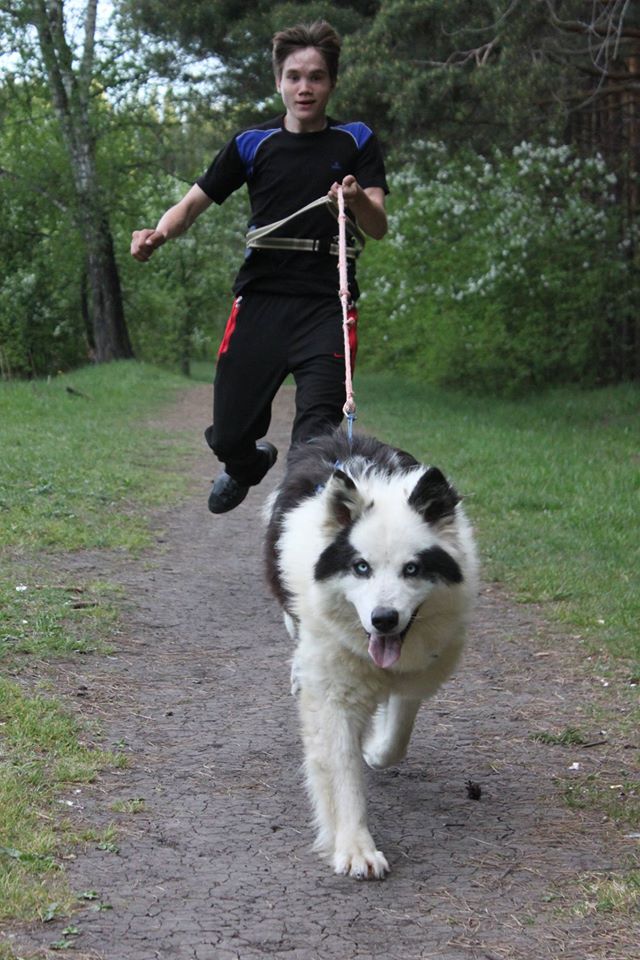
{"x":349,"y":408}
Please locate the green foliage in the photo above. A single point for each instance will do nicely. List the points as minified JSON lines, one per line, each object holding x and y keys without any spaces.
{"x":238,"y":33}
{"x":500,"y":274}
{"x":177,"y":304}
{"x":41,"y":275}
{"x":483,"y":280}
{"x":421,"y":51}
{"x":459,"y":70}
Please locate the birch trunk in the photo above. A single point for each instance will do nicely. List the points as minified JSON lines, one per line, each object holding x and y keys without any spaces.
{"x":70,"y":87}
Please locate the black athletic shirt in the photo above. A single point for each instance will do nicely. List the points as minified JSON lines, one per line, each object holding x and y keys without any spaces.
{"x":284,"y":171}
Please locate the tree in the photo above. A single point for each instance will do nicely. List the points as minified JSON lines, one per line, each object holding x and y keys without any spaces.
{"x":481,"y":72}
{"x":41,"y":317}
{"x":238,"y":33}
{"x":39,"y":26}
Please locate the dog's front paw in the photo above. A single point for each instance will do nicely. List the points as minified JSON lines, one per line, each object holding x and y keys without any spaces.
{"x":379,"y":758}
{"x":361,"y":862}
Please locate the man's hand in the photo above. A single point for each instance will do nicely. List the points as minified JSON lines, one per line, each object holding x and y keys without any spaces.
{"x":351,"y":189}
{"x":366,"y":204}
{"x":173,"y":223}
{"x":144,"y":242}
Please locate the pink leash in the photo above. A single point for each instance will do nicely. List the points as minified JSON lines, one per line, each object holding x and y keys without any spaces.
{"x":349,"y":408}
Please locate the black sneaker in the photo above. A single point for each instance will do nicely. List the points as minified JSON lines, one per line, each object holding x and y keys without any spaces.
{"x":271,"y":452}
{"x":226,"y":493}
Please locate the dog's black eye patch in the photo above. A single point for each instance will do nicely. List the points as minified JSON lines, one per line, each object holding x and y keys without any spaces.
{"x":338,"y":557}
{"x":435,"y":563}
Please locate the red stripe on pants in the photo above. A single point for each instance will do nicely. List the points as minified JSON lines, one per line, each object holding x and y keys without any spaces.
{"x":230,"y":327}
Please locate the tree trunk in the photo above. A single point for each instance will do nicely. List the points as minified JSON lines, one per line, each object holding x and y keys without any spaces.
{"x":110,"y":334}
{"x":71,"y":95}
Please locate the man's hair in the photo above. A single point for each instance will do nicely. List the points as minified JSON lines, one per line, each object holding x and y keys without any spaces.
{"x":319,"y":34}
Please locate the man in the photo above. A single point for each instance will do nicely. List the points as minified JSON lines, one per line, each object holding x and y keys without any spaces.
{"x":287,"y":316}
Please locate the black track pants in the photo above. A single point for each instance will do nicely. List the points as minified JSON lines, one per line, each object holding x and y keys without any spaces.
{"x":267,"y":337}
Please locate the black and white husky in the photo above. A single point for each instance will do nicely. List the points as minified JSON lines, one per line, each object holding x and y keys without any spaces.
{"x":372,"y":558}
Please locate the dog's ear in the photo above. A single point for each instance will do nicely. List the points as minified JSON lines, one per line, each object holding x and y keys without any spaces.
{"x":345,"y":503}
{"x":433,"y":496}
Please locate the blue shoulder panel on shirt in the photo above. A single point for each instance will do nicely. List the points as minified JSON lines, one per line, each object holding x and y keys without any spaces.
{"x":248,"y":144}
{"x":359,"y":131}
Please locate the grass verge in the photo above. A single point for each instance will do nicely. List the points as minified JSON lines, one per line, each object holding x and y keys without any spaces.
{"x":45,"y":761}
{"x":80,"y":470}
{"x":78,"y":466}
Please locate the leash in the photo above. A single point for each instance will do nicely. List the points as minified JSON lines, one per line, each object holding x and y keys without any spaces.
{"x":259,"y":237}
{"x":349,"y":408}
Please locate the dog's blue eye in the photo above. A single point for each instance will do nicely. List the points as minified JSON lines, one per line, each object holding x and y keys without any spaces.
{"x":361,"y":568}
{"x":411,"y":569}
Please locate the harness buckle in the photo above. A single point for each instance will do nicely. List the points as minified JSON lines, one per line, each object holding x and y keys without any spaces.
{"x":323,"y":244}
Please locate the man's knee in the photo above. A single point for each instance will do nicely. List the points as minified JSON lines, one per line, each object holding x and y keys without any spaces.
{"x":315,"y":424}
{"x":226,"y":445}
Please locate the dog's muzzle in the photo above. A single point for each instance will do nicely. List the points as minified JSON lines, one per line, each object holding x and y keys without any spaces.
{"x":385,"y":646}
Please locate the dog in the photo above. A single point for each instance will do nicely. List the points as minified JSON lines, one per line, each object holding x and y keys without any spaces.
{"x":373,"y":560}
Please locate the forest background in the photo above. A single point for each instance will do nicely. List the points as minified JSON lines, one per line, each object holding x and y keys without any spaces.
{"x":512,"y":136}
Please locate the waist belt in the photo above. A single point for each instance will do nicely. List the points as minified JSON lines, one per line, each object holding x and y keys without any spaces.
{"x":299,"y":243}
{"x":259,"y":238}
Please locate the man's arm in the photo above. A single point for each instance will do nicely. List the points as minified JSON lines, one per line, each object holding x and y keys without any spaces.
{"x":366,"y":204}
{"x":173,"y":223}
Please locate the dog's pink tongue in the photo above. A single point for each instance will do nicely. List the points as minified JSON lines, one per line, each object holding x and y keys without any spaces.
{"x":385,"y":650}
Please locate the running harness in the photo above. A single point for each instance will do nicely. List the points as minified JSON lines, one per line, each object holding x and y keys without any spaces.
{"x":259,"y":237}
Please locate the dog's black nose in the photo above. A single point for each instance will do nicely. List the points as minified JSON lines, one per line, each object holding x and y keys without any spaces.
{"x":384,"y":619}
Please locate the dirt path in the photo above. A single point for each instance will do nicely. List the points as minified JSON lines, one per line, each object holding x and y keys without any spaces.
{"x":216,"y":863}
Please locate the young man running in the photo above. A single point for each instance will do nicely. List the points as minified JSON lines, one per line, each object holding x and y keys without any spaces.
{"x":286,"y":316}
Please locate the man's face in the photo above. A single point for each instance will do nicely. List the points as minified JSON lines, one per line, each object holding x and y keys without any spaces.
{"x":305,"y":88}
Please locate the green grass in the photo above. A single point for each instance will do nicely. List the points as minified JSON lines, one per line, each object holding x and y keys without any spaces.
{"x":552,"y":483}
{"x":47,"y":619}
{"x":44,"y":753}
{"x":202,"y":371}
{"x":620,"y":801}
{"x":569,"y":737}
{"x":77,"y":472}
{"x":616,"y":893}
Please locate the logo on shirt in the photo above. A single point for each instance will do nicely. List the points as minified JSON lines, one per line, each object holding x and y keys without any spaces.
{"x":336,"y":165}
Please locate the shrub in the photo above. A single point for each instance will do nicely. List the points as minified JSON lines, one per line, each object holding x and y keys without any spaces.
{"x":41,"y":325}
{"x":499,"y":273}
{"x":178,"y":303}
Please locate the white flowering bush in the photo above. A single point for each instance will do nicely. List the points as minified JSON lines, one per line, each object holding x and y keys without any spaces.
{"x":499,"y":273}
